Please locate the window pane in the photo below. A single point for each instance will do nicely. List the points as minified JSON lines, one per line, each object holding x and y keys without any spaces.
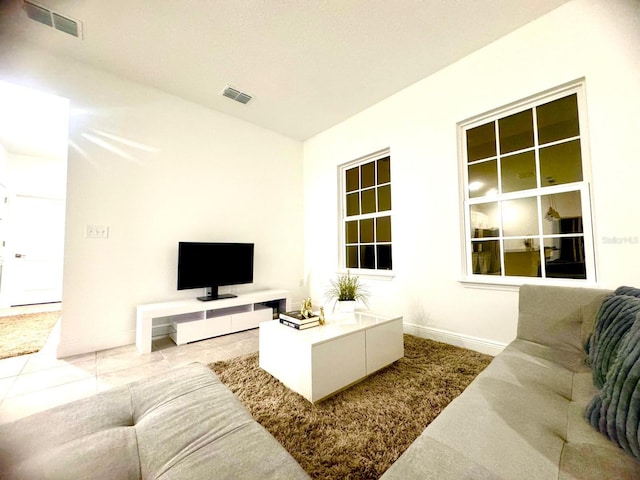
{"x":384,"y":198}
{"x":564,"y":257}
{"x":561,"y":163}
{"x":483,"y":179}
{"x":560,"y":210}
{"x":384,"y":257}
{"x":383,"y":229}
{"x":351,"y":254}
{"x":518,"y":172}
{"x":481,"y":142}
{"x":352,"y":177}
{"x":366,"y":231}
{"x":367,"y":256}
{"x":516,"y":131}
{"x":384,"y":170}
{"x":353,"y":204}
{"x":486,"y":257}
{"x":558,"y":120}
{"x":368,"y":175}
{"x":484,"y":220}
{"x":522,"y":257}
{"x":520,"y":217}
{"x":369,"y":201}
{"x":352,"y":232}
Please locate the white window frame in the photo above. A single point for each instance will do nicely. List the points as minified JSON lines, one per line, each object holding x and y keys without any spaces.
{"x":583,"y":187}
{"x":371,"y":272}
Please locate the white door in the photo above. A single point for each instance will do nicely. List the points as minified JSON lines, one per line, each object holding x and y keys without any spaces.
{"x":36,"y":250}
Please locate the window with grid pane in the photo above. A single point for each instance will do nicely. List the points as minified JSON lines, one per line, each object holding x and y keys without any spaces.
{"x":366,"y":214}
{"x":527,"y":207}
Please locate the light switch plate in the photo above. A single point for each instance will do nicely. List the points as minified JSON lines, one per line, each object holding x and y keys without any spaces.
{"x":96,"y":231}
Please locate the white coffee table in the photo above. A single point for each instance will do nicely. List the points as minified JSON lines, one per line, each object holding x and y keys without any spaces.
{"x":320,"y":361}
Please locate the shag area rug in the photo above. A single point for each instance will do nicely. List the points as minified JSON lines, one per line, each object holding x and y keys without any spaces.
{"x":359,"y":432}
{"x":26,"y":333}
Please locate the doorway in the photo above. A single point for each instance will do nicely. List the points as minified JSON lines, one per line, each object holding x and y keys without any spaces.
{"x":33,"y":171}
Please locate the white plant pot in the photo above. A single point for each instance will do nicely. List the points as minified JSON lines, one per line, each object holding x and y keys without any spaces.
{"x":345,"y":306}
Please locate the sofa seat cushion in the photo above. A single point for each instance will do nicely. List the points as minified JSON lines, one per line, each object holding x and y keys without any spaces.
{"x":509,"y":421}
{"x":183,"y":424}
{"x":520,"y":418}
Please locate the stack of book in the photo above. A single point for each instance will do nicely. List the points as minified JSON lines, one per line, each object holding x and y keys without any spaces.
{"x":296,"y":320}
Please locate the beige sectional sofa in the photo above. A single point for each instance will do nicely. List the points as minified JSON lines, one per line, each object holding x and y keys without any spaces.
{"x":184,"y":424}
{"x":522,"y":418}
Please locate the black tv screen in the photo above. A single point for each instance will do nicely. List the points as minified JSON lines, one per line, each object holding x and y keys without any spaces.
{"x":211,"y":265}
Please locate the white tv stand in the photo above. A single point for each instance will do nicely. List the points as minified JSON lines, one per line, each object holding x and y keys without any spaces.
{"x":194,"y":320}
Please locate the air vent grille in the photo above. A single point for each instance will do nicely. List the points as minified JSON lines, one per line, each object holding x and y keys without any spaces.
{"x":53,"y":19}
{"x":235,"y":94}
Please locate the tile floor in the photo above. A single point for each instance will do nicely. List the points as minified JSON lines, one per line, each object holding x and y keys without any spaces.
{"x":32,"y":383}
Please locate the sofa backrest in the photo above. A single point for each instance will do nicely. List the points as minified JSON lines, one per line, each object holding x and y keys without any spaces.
{"x":559,"y":317}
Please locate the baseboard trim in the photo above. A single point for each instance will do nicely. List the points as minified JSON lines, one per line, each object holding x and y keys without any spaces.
{"x":474,"y":343}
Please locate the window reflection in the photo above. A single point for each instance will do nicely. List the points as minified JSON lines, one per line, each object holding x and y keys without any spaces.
{"x":516,"y":131}
{"x":561,"y":163}
{"x":367,"y":175}
{"x":522,"y":257}
{"x":483,"y":179}
{"x":481,"y":142}
{"x":384,"y":198}
{"x":366,"y":231}
{"x":384,"y":170}
{"x":352,"y":232}
{"x":485,"y":220}
{"x":558,"y":206}
{"x":369,"y":200}
{"x":518,"y":172}
{"x":486,"y":257}
{"x":353,"y":204}
{"x":520,"y":217}
{"x":564,"y":256}
{"x":352,"y":179}
{"x":383,"y":229}
{"x":558,"y":120}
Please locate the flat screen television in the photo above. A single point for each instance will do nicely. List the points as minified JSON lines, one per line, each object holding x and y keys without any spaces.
{"x":212,"y":265}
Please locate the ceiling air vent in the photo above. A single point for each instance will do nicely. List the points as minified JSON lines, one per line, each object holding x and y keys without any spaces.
{"x":38,"y":13}
{"x":53,"y":19}
{"x":236,"y":94}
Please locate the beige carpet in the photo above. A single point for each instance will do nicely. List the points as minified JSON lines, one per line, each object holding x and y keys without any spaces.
{"x":26,"y":333}
{"x":360,"y":432}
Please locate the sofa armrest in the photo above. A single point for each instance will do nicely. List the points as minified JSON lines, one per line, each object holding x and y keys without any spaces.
{"x":558,"y":317}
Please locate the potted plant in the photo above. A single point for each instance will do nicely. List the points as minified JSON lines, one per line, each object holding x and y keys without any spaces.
{"x":347,"y":290}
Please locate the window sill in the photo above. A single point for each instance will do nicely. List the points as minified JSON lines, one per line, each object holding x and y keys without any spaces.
{"x":489,"y":282}
{"x":385,"y":275}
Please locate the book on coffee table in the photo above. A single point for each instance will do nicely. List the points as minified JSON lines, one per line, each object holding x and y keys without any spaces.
{"x":296,"y":317}
{"x":298,"y":326}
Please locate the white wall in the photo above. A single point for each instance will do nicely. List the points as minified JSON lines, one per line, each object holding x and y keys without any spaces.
{"x":156,"y":170}
{"x":594,"y":39}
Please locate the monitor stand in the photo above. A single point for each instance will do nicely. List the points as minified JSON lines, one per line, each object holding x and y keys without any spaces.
{"x":211,"y":293}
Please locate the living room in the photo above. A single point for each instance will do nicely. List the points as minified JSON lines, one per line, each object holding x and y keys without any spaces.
{"x":152,"y":200}
{"x":213,"y":176}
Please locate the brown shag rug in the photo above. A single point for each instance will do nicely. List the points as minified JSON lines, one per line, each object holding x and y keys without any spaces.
{"x":26,"y":333}
{"x":359,"y":432}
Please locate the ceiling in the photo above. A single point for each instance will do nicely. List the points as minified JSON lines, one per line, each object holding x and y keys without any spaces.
{"x":309,"y":64}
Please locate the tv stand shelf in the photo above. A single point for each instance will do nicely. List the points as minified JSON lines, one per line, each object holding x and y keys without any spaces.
{"x":193,"y":320}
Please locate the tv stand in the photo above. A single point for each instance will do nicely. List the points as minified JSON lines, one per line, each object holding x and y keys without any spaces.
{"x":211,"y":293}
{"x":210,"y":298}
{"x":194,"y":320}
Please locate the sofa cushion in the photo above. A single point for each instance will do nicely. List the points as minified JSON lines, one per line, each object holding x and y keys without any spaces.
{"x":560,"y":318}
{"x":184,"y":424}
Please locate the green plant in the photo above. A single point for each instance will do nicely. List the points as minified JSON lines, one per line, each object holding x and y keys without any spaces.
{"x":346,"y":288}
